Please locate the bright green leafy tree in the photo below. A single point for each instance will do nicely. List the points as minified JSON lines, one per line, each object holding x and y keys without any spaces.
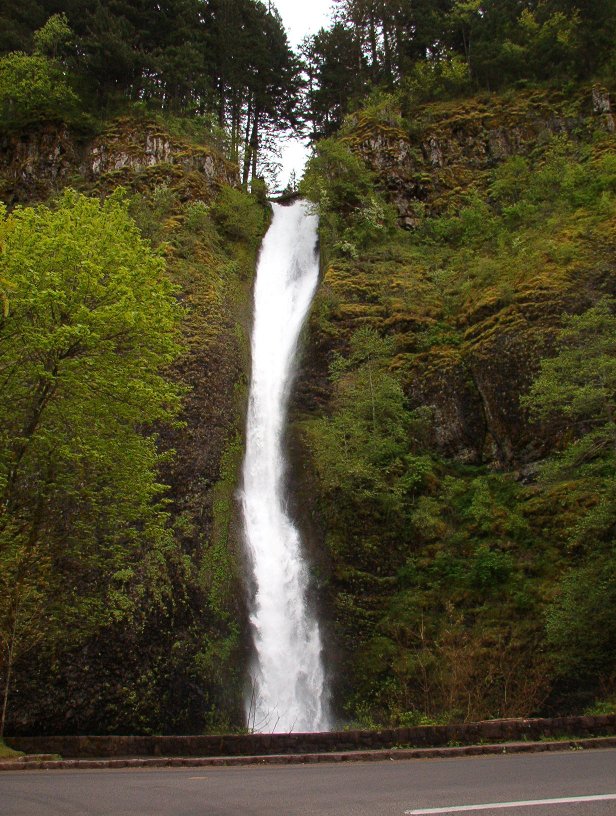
{"x":54,"y":37}
{"x":34,"y":89}
{"x":91,"y":328}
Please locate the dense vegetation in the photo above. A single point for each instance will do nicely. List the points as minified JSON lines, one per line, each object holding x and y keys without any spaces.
{"x":122,"y":411}
{"x":224,"y":62}
{"x":455,"y":418}
{"x":438,"y":48}
{"x":105,"y":569}
{"x":83,"y":538}
{"x":466,"y":582}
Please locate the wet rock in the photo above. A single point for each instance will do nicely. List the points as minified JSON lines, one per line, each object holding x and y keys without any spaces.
{"x":442,"y":383}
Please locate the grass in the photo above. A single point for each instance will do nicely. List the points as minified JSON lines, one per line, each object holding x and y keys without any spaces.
{"x":8,"y":753}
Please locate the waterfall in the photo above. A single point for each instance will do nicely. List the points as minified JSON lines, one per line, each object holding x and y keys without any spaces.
{"x":288,"y":685}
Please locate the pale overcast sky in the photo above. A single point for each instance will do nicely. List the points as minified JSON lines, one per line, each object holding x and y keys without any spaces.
{"x":303,"y":17}
{"x":300,"y":17}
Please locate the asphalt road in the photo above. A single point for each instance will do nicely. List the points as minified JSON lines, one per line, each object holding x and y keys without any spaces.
{"x":390,"y":788}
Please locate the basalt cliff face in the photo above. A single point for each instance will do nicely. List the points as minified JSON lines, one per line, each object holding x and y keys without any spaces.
{"x":452,"y":145}
{"x":445,"y":552}
{"x":37,"y":162}
{"x":468,"y":363}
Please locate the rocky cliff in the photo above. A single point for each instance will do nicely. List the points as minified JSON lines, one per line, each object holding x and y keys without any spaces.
{"x":470,"y":357}
{"x":36,"y":162}
{"x":437,"y":555}
{"x":452,"y":145}
{"x":446,"y":555}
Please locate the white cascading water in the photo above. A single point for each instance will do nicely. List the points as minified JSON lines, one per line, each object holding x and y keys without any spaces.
{"x":288,"y":683}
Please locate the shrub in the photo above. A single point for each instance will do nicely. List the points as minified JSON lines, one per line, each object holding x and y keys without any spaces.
{"x":238,"y":215}
{"x":34,"y":89}
{"x":437,"y":79}
{"x":336,"y":179}
{"x":353,"y":214}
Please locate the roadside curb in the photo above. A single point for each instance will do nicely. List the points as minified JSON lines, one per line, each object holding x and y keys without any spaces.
{"x":34,"y":763}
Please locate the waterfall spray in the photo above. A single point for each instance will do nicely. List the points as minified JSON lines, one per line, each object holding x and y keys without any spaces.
{"x":288,"y":684}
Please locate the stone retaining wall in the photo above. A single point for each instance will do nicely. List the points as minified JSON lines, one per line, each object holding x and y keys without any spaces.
{"x":268,"y":744}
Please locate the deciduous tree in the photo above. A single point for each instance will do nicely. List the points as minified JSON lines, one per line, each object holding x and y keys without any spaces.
{"x":91,"y":328}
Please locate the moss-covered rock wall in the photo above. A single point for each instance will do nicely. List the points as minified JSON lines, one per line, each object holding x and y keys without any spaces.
{"x":426,"y":157}
{"x":36,"y":162}
{"x":449,"y":552}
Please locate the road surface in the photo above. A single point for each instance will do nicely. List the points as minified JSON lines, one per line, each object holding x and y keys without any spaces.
{"x":393,"y":788}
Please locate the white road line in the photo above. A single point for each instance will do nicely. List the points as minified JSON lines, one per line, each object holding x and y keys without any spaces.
{"x":502,"y":805}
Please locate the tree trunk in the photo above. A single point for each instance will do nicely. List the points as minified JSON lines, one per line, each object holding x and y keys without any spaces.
{"x":373,"y":44}
{"x":236,"y":118}
{"x":247,"y":156}
{"x":254,"y":143}
{"x":386,"y":21}
{"x":44,"y":395}
{"x":7,"y":679}
{"x":221,"y":103}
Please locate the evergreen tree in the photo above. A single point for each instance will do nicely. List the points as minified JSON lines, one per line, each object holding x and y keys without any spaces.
{"x":19,"y":19}
{"x":336,"y":69}
{"x":186,"y":56}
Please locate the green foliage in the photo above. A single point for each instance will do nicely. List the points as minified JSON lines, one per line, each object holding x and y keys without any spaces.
{"x":187,"y":675}
{"x":434,"y":51}
{"x":238,"y":216}
{"x":218,"y":659}
{"x":487,"y":245}
{"x":578,"y":385}
{"x":223,"y":69}
{"x":332,"y":57}
{"x":54,"y":37}
{"x":92,"y":327}
{"x":353,"y":214}
{"x":453,"y":587}
{"x":34,"y":89}
{"x":24,"y":574}
{"x":601,"y":709}
{"x":379,"y":107}
{"x":511,"y":180}
{"x":580,"y":381}
{"x":490,"y":568}
{"x":8,"y":753}
{"x":442,"y":78}
{"x":445,"y":636}
{"x":361,"y":451}
{"x":473,"y":224}
{"x":336,"y":179}
{"x":581,"y":622}
{"x":550,"y":41}
{"x":560,"y":179}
